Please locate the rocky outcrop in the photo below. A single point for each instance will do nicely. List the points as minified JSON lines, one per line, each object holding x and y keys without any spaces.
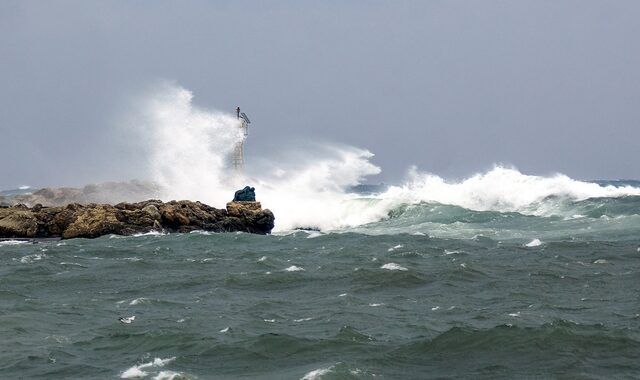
{"x":93,"y":220}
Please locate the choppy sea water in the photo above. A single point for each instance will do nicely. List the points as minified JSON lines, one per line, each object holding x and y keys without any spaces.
{"x":506,"y":296}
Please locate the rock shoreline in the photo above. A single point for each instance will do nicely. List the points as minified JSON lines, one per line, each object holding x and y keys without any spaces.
{"x":93,"y":220}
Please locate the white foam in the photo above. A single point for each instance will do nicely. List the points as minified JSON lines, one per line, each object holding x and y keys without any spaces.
{"x":133,"y":373}
{"x":137,"y":370}
{"x":294,"y":268}
{"x":13,"y":242}
{"x":534,"y":243}
{"x":316,"y":374}
{"x":393,"y":266}
{"x":167,"y":375}
{"x":314,"y":234}
{"x":151,"y":233}
{"x":394,"y":248}
{"x":141,"y":300}
{"x":30,"y":259}
{"x":501,"y":189}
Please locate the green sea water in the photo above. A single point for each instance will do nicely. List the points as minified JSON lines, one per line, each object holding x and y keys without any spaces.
{"x":356,"y":304}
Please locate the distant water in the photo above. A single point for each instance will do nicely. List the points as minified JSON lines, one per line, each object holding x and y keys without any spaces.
{"x":430,"y":291}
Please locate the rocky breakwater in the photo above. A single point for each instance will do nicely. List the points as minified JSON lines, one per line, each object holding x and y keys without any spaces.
{"x":94,"y":220}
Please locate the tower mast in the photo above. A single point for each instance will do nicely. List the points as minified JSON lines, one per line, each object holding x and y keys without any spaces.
{"x":238,"y":151}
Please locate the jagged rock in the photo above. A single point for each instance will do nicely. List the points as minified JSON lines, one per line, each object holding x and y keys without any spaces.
{"x":89,"y":221}
{"x":248,"y":194}
{"x":16,"y":221}
{"x":258,"y":219}
{"x":236,"y":208}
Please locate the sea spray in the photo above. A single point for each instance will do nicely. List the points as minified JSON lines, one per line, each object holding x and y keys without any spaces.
{"x":187,"y":149}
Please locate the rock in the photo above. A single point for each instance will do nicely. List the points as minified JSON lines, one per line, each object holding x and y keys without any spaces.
{"x":92,"y":220}
{"x":260,"y":221}
{"x":238,"y":209}
{"x":248,"y":194}
{"x":18,"y":222}
{"x":152,"y":210}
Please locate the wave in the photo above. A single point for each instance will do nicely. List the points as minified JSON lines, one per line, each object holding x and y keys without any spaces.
{"x":315,"y":186}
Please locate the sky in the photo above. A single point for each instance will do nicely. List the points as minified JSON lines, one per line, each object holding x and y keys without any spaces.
{"x":452,"y":87}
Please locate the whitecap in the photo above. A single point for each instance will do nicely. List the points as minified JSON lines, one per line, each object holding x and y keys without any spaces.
{"x":601,"y":261}
{"x":224,"y":330}
{"x":70,"y":263}
{"x":133,"y":373}
{"x":150,"y":233}
{"x":393,"y":266}
{"x":270,"y":320}
{"x":137,"y":370}
{"x":167,"y":375}
{"x":263,"y":258}
{"x":315,"y":374}
{"x":394,"y":248}
{"x":314,"y":234}
{"x":29,"y":259}
{"x":342,"y":295}
{"x":140,"y":300}
{"x":14,"y":242}
{"x":375,"y":304}
{"x":515,"y":315}
{"x":435,"y":308}
{"x":534,"y":243}
{"x":294,"y":268}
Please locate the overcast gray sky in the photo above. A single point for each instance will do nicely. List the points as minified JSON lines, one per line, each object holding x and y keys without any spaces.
{"x":450,"y":86}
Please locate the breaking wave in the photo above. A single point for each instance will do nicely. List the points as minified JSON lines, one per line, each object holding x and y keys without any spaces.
{"x":188,"y":148}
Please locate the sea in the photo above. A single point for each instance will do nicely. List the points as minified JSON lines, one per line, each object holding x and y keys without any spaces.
{"x":498,"y":276}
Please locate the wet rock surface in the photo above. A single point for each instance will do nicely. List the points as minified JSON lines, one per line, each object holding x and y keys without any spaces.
{"x":94,"y":220}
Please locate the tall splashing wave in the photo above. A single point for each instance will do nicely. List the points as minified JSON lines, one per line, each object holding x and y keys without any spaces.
{"x":188,"y":151}
{"x":187,"y":147}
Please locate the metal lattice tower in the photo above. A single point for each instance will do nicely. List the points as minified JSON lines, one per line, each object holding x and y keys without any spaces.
{"x":238,"y":151}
